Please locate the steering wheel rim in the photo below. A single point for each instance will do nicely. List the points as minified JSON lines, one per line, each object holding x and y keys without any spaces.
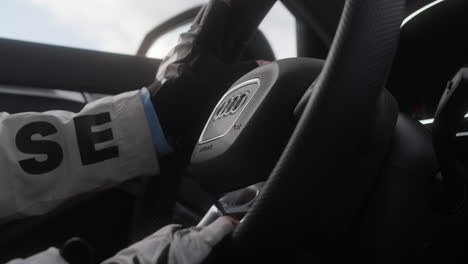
{"x":350,"y":86}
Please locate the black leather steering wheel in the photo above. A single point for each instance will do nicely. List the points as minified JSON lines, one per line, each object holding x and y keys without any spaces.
{"x":326,"y":162}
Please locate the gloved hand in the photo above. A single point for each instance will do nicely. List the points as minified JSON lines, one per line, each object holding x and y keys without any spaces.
{"x":195,"y":75}
{"x":172,"y":244}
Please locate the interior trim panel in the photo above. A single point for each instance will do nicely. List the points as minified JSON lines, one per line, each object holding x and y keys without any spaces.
{"x":47,"y":66}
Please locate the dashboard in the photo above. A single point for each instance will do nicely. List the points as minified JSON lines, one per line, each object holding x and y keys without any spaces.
{"x":433,"y":47}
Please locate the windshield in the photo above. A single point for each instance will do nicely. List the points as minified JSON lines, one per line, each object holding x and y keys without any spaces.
{"x":115,"y":25}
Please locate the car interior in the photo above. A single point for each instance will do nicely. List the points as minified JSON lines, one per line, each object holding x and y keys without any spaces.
{"x":387,"y":201}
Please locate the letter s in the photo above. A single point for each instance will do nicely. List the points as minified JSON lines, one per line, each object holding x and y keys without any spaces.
{"x":52,"y":149}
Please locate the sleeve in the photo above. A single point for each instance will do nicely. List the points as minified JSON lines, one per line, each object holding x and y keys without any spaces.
{"x":47,"y":158}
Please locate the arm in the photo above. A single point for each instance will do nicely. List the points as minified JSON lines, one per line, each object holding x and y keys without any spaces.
{"x":171,"y":244}
{"x":47,"y":158}
{"x":50,"y":256}
{"x":189,"y":83}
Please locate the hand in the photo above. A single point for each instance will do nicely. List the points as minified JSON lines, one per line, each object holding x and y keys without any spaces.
{"x":172,"y":244}
{"x":195,"y":75}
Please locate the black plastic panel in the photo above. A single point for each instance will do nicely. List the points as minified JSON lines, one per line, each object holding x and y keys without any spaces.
{"x":55,"y":67}
{"x":20,"y":103}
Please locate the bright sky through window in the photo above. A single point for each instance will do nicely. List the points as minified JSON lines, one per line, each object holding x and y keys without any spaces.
{"x":116,"y":25}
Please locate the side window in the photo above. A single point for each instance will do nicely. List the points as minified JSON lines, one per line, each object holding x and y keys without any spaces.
{"x":279,"y":28}
{"x":116,"y":26}
{"x":119,"y":27}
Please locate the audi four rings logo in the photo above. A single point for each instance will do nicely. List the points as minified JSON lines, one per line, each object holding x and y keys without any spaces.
{"x":231,"y":105}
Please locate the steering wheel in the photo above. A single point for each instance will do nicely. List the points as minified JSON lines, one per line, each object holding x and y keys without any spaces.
{"x":320,"y":159}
